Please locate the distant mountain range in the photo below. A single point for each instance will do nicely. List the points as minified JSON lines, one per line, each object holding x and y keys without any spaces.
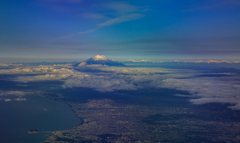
{"x":99,"y":60}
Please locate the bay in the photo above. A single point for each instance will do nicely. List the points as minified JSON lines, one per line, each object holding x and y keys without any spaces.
{"x":45,"y":115}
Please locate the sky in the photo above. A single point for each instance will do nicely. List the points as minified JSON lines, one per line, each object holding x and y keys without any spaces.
{"x":158,"y":30}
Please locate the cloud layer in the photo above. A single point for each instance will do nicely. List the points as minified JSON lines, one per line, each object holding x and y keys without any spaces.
{"x":202,"y":89}
{"x":120,"y":12}
{"x":12,"y":95}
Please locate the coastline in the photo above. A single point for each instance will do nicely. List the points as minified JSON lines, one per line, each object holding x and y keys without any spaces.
{"x":81,"y":121}
{"x":36,"y":112}
{"x":76,"y":115}
{"x":104,"y":120}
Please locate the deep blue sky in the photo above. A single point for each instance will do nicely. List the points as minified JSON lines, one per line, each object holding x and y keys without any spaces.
{"x":159,"y":30}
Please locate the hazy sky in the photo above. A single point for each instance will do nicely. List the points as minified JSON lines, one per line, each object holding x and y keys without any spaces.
{"x":159,"y":30}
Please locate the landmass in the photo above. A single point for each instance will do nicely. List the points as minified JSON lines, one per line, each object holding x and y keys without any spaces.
{"x":104,"y":120}
{"x":33,"y":131}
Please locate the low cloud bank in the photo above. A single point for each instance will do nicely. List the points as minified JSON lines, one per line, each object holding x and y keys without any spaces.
{"x":13,"y":95}
{"x":202,"y":89}
{"x":209,"y":89}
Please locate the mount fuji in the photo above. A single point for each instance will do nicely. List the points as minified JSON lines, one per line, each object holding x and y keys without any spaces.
{"x":99,"y":60}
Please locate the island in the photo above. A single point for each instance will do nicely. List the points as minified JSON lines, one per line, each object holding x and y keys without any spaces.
{"x":33,"y":131}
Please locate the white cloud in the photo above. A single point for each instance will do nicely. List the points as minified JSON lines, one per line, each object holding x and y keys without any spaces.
{"x":209,"y":61}
{"x":4,"y":65}
{"x":124,"y":18}
{"x":129,"y":70}
{"x":203,"y":90}
{"x":122,"y":7}
{"x":15,"y":93}
{"x":47,"y":73}
{"x":119,"y":78}
{"x":10,"y":94}
{"x":7,"y":65}
{"x":215,"y":100}
{"x":101,"y":83}
{"x":20,"y":99}
{"x":121,"y":11}
{"x":36,"y":70}
{"x":68,"y":1}
{"x":209,"y":89}
{"x":7,"y":100}
{"x":123,"y":78}
{"x":137,"y":61}
{"x":42,"y":77}
{"x":80,"y":33}
{"x":93,"y":16}
{"x":117,"y":20}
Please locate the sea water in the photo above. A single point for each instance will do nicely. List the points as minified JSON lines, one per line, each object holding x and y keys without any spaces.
{"x":42,"y":114}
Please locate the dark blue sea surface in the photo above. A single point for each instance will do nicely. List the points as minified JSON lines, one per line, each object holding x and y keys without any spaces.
{"x":40,"y":113}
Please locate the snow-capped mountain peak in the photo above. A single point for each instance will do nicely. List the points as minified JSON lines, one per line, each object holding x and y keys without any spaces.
{"x":99,"y":58}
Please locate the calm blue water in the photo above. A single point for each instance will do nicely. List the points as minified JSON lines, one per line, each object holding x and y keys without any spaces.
{"x":17,"y":117}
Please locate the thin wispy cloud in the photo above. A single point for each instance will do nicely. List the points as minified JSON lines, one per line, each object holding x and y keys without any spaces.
{"x":67,"y":1}
{"x":121,"y":19}
{"x":122,"y":7}
{"x":80,"y":33}
{"x":122,"y":11}
{"x":214,"y":4}
{"x":93,"y":16}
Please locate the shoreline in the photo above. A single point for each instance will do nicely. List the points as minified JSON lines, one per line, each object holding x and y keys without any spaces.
{"x":81,"y":121}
